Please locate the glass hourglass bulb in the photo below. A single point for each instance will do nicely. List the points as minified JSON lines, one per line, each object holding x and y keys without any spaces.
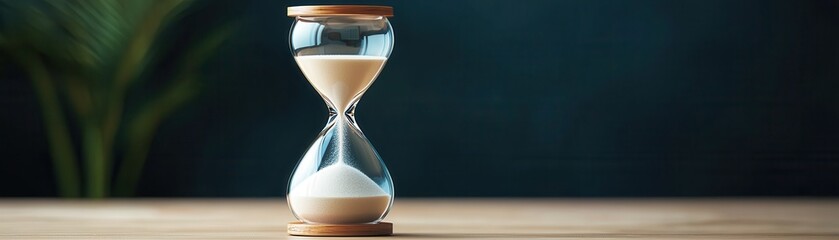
{"x":341,"y":179}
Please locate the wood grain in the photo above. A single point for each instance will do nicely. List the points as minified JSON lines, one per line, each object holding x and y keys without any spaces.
{"x":332,"y":10}
{"x":298,"y":228}
{"x":432,"y":219}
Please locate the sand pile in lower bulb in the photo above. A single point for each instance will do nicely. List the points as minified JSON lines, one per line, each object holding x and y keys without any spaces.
{"x":338,"y":194}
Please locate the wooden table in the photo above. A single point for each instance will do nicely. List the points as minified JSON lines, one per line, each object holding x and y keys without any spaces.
{"x":432,"y":219}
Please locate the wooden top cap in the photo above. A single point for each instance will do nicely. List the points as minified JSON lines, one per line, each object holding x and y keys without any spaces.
{"x":331,"y":10}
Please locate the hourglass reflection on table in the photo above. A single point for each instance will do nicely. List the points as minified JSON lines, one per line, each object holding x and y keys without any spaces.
{"x":341,"y":181}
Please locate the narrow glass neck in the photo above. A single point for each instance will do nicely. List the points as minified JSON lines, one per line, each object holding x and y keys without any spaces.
{"x":348,"y":113}
{"x":343,"y":133}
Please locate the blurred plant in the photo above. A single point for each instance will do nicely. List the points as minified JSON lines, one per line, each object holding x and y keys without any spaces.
{"x":84,"y":55}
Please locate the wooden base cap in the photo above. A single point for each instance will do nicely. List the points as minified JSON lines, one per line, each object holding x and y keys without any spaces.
{"x":299,"y":228}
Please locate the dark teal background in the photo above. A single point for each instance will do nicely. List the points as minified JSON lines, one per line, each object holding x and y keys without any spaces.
{"x":509,"y":98}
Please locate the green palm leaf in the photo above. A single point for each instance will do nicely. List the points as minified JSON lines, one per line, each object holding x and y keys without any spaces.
{"x":93,"y":50}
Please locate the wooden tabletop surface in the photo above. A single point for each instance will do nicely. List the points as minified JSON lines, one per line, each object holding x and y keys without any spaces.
{"x":709,"y":218}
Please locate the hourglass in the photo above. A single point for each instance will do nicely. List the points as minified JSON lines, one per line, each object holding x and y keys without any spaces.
{"x":340,"y":187}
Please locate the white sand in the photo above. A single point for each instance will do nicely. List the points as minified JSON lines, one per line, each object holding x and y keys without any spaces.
{"x":338,"y":194}
{"x":340,"y":78}
{"x":338,"y":180}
